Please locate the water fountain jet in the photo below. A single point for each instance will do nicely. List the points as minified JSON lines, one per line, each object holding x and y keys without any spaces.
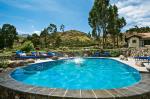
{"x":78,"y":60}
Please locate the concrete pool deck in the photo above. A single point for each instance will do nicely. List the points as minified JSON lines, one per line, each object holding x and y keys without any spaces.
{"x":131,"y":62}
{"x":11,"y":89}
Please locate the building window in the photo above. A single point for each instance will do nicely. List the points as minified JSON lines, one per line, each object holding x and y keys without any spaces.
{"x":133,"y":41}
{"x":146,"y":42}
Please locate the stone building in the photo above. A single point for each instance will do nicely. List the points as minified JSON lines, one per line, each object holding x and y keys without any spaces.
{"x":137,"y":40}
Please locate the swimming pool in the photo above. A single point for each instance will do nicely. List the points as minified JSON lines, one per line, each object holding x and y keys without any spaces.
{"x":78,"y":73}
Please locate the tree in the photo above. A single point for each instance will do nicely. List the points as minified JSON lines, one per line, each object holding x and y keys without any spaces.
{"x":98,"y":17}
{"x":121,"y":22}
{"x":104,"y":20}
{"x":48,"y":35}
{"x":1,"y":39}
{"x":94,"y":34}
{"x":115,"y":24}
{"x":112,"y":22}
{"x":27,"y":46}
{"x":93,"y":21}
{"x":139,"y":29}
{"x":89,"y":34}
{"x":52,"y":28}
{"x":8,"y":35}
{"x":44,"y":35}
{"x":35,"y":39}
{"x":58,"y":41}
{"x":62,"y":28}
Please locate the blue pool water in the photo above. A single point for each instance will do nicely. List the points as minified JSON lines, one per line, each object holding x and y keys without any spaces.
{"x":85,"y":74}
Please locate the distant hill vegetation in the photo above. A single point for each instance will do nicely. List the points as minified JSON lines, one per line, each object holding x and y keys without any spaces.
{"x":75,"y":38}
{"x":139,"y":29}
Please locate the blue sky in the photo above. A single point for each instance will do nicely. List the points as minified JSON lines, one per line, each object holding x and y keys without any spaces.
{"x":33,"y":15}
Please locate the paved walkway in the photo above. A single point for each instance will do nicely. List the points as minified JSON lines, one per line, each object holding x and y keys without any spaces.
{"x":147,"y":65}
{"x":131,"y":62}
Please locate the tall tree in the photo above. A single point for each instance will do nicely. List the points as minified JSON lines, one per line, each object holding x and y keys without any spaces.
{"x":35,"y":40}
{"x":89,"y":34}
{"x":112,"y":22}
{"x":62,"y":28}
{"x":8,"y":35}
{"x":121,"y":22}
{"x":58,"y":41}
{"x":98,"y":17}
{"x":1,"y":39}
{"x":115,"y":24}
{"x":44,"y":35}
{"x":94,"y":33}
{"x":52,"y":28}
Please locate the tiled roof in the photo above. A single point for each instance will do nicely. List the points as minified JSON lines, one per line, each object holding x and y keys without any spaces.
{"x":145,"y":35}
{"x":141,"y":35}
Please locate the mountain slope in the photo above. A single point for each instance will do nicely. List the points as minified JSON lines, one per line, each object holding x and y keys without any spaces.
{"x":75,"y":38}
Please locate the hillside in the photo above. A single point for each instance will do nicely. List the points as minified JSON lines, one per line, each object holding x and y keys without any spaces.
{"x":75,"y":38}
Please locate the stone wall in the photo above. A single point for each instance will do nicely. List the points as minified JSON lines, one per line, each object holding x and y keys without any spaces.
{"x":6,"y":93}
{"x":131,"y":44}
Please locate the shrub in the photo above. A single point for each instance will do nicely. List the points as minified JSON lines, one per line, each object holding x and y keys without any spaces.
{"x":115,"y":53}
{"x":27,"y":46}
{"x":3,"y":63}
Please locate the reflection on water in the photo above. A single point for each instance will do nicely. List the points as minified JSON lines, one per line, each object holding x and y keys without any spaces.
{"x":78,"y":61}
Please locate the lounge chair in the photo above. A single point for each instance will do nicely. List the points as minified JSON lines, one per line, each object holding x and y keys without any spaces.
{"x":34,"y":53}
{"x":141,"y":57}
{"x":57,"y":54}
{"x":106,"y":54}
{"x":96,"y":54}
{"x":51,"y":54}
{"x":22,"y":55}
{"x":46,"y":55}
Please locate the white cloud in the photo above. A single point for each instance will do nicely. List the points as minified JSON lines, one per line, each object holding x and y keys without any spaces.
{"x":37,"y":32}
{"x":17,"y":4}
{"x":136,"y":12}
{"x":39,"y":5}
{"x":20,"y":31}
